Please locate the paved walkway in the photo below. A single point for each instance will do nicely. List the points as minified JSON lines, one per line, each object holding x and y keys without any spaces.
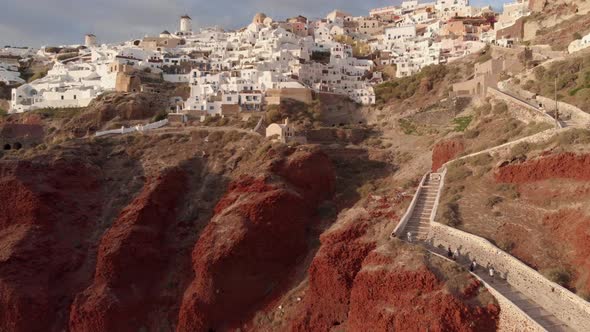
{"x":537,"y":313}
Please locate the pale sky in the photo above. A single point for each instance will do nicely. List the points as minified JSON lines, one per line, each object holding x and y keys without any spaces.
{"x":56,"y":22}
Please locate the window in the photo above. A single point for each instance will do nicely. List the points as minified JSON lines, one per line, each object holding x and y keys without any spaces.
{"x":62,"y":97}
{"x":74,"y":97}
{"x":229,"y":99}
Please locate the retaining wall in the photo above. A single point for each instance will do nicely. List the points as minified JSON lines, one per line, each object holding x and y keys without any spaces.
{"x":565,"y":305}
{"x":577,"y":115}
{"x":531,"y":113}
{"x":512,"y":318}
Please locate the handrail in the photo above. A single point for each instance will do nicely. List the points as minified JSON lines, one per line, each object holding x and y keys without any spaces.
{"x":438,"y":195}
{"x":404,"y":220}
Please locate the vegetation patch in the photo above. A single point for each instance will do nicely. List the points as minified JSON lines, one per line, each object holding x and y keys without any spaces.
{"x":408,"y":127}
{"x":59,"y":113}
{"x":572,"y":78}
{"x":462,"y":123}
{"x":406,"y":87}
{"x":559,"y":275}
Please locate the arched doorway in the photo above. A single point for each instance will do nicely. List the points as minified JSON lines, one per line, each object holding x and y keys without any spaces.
{"x":18,"y":146}
{"x":7,"y":146}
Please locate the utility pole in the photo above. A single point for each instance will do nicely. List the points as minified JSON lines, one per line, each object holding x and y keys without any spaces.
{"x":556,"y":104}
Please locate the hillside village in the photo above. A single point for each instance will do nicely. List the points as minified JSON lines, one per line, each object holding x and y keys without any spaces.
{"x":423,"y":167}
{"x":244,"y":70}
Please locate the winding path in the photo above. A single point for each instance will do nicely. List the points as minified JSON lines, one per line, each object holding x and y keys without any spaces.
{"x":415,"y":226}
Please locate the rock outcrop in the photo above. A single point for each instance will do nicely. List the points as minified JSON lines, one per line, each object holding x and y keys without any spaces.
{"x":564,"y":166}
{"x":445,"y":151}
{"x":254,"y":241}
{"x":47,"y":215}
{"x":387,"y":296}
{"x":130,"y":259}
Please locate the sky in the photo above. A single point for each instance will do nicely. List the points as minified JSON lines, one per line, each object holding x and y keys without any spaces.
{"x":58,"y":22}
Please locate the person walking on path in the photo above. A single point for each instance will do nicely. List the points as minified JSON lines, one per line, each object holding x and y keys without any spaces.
{"x":492,"y":273}
{"x":456,"y":254}
{"x":449,"y":252}
{"x":473,"y":265}
{"x":410,"y":237}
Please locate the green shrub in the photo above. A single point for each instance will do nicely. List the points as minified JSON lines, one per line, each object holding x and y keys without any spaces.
{"x":483,"y":159}
{"x":451,"y":215}
{"x":500,"y":108}
{"x":161,"y":115}
{"x":471,"y":134}
{"x":521,"y":149}
{"x":508,"y":190}
{"x":493,"y":201}
{"x":408,"y":127}
{"x":456,"y":173}
{"x":573,"y":136}
{"x":506,"y":245}
{"x":559,"y":275}
{"x":483,"y":110}
{"x":462,"y":123}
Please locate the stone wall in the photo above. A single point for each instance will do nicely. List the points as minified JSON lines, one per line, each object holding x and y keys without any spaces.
{"x":565,"y":305}
{"x":520,"y":109}
{"x":575,"y":114}
{"x":515,"y":31}
{"x":512,"y":318}
{"x":504,"y":149}
{"x":274,"y":96}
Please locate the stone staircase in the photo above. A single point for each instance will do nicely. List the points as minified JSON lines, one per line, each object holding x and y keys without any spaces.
{"x":419,"y":223}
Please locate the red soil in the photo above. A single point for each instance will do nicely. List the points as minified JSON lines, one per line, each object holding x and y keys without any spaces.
{"x":130,"y":259}
{"x":565,"y":165}
{"x":43,"y":241}
{"x":445,"y":151}
{"x":571,"y":228}
{"x":254,"y":242}
{"x":394,"y":299}
{"x":331,"y":276}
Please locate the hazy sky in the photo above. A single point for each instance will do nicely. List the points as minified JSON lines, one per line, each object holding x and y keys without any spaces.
{"x":53,"y":22}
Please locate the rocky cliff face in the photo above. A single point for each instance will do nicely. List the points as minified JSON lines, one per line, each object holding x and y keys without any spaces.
{"x":253,"y":242}
{"x":445,"y":151}
{"x":125,"y":234}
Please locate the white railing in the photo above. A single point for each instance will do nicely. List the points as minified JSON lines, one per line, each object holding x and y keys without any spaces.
{"x":438,"y":195}
{"x":404,"y":221}
{"x":258,"y":125}
{"x":138,"y":128}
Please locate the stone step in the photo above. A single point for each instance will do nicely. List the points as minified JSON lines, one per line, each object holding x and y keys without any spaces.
{"x":417,"y":229}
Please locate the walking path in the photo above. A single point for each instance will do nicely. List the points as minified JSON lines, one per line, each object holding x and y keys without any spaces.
{"x":545,"y":319}
{"x":416,"y":228}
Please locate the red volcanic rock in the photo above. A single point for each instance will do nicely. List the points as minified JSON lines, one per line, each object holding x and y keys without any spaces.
{"x":311,"y":172}
{"x":253,"y":242}
{"x":566,"y":165}
{"x":130,"y":258}
{"x":386,"y":298}
{"x":46,"y":216}
{"x":570,"y":228}
{"x":331,"y":276}
{"x":445,"y":151}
